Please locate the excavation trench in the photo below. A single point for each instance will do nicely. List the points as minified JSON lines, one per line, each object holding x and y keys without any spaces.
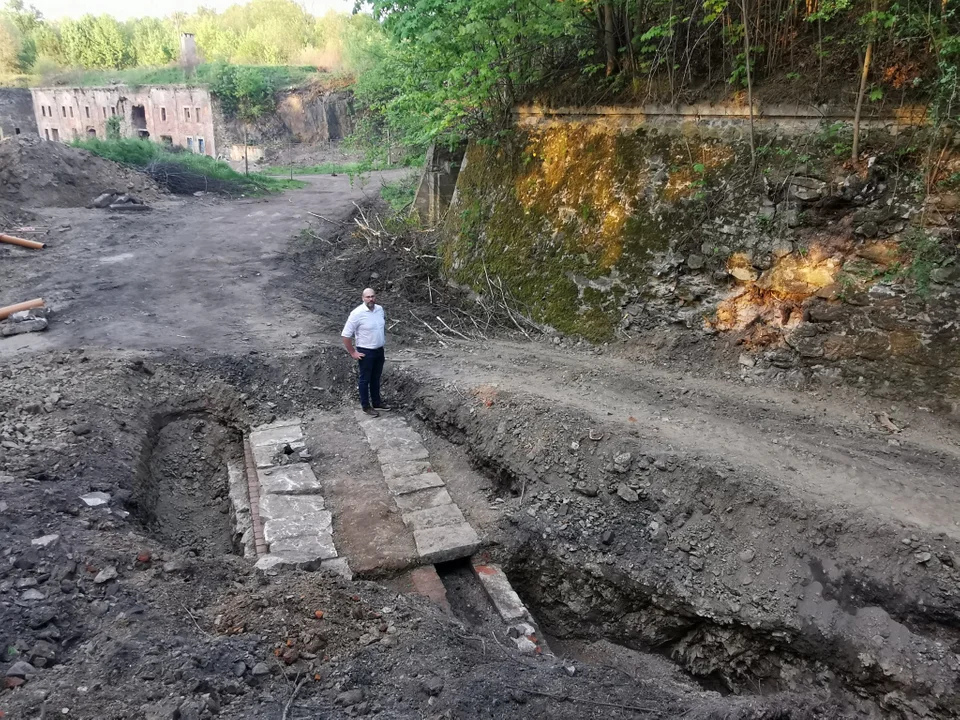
{"x":181,"y":491}
{"x":674,"y":566}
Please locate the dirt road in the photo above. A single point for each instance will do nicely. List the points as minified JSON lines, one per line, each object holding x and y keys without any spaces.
{"x":190,"y":273}
{"x":214,"y":275}
{"x":849,"y":572}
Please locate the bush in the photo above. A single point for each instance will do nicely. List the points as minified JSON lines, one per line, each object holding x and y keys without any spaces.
{"x":183,"y":172}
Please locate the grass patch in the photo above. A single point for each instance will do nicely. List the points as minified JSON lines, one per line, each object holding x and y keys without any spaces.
{"x":399,"y":195}
{"x":277,"y":76}
{"x":181,"y":171}
{"x":350,"y":168}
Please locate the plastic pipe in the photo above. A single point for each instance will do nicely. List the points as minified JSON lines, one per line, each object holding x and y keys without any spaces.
{"x":9,"y":310}
{"x":33,"y":244}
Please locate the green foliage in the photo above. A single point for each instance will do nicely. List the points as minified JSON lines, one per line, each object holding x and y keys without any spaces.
{"x":399,"y":195}
{"x":245,"y":93}
{"x":113,"y":127}
{"x":926,"y":254}
{"x":95,"y":42}
{"x":140,"y":153}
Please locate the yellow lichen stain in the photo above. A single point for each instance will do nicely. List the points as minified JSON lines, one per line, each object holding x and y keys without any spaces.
{"x":692,"y":169}
{"x":569,"y":181}
{"x":883,"y":252}
{"x":775,"y":296}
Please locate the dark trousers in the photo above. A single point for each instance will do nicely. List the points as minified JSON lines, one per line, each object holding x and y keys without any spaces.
{"x":371,"y":367}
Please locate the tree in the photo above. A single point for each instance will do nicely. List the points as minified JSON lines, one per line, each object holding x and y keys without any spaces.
{"x":95,"y":42}
{"x":11,"y":43}
{"x":154,"y":42}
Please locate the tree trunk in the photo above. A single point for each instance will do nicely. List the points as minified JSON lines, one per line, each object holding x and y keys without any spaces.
{"x":867,"y":57}
{"x":609,"y":38}
{"x":246,"y":164}
{"x":746,"y":51}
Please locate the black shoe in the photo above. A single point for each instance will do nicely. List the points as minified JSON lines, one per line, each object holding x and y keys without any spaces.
{"x":382,"y":407}
{"x":371,"y":412}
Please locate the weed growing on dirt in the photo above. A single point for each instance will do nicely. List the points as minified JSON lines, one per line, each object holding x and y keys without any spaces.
{"x":351,"y":168}
{"x":211,"y":173}
{"x":926,"y":255}
{"x":399,"y":195}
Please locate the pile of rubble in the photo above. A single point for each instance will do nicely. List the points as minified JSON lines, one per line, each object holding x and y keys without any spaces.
{"x":25,"y":321}
{"x":115,"y":200}
{"x":36,"y":173}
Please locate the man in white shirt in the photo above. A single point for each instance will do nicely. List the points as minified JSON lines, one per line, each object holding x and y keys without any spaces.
{"x":366,"y":325}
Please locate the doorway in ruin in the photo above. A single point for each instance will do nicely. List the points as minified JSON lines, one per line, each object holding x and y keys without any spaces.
{"x":139,"y":119}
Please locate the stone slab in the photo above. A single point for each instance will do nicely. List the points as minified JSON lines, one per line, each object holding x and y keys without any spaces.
{"x":276,"y":435}
{"x":412,"y":483}
{"x":421,"y":499}
{"x":434,"y":517}
{"x":402,"y":454}
{"x":405,"y":468}
{"x":296,"y":479}
{"x":319,"y":546}
{"x":263,"y":455}
{"x":338,"y":566}
{"x":381,"y":436}
{"x":450,"y":542}
{"x":303,"y":526}
{"x":279,"y":507}
{"x":501,"y":593}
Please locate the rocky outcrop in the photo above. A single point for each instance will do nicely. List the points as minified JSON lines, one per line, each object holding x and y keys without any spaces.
{"x":814,"y":268}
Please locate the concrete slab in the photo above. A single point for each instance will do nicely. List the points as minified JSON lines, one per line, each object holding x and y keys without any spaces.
{"x":319,"y":547}
{"x":450,"y":542}
{"x":402,"y":454}
{"x":420,"y":499}
{"x":282,"y":422}
{"x":380,"y":437}
{"x":263,"y":455}
{"x":404,"y":485}
{"x":404,"y":468}
{"x":303,"y":526}
{"x":280,"y":507}
{"x":434,"y":517}
{"x":296,"y":479}
{"x":276,"y":436}
{"x":338,"y":566}
{"x":501,"y":593}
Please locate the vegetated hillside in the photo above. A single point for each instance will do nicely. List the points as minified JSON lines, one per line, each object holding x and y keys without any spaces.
{"x":812,"y":266}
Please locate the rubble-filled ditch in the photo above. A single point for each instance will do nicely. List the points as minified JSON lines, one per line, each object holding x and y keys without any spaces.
{"x":747,"y":587}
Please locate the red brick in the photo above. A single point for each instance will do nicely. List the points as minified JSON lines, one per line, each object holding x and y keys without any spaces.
{"x":427,"y":582}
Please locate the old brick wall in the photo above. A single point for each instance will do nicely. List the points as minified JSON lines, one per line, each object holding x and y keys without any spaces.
{"x":16,"y":112}
{"x":182,"y":114}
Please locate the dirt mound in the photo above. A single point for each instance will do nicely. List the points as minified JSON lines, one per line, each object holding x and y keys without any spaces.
{"x":37,"y":173}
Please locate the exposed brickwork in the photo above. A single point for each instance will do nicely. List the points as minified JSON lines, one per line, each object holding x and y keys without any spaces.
{"x":427,"y":582}
{"x":253,"y":487}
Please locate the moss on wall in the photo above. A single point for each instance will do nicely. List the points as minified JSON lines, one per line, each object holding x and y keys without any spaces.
{"x":569,"y":217}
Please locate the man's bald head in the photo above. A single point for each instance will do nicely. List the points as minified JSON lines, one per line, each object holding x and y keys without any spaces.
{"x":369,"y":297}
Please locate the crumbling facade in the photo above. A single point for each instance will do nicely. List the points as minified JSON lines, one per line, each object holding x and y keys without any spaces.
{"x":173,"y":114}
{"x":16,"y":113}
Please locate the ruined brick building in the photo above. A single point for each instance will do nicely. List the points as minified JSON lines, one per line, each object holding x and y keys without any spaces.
{"x":174,"y":114}
{"x":16,"y":113}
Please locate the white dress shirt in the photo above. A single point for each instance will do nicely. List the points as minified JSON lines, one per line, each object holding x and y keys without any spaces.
{"x":366,"y":326}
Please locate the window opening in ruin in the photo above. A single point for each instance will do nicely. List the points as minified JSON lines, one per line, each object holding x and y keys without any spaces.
{"x":55,"y":134}
{"x":43,"y":110}
{"x":49,"y":111}
{"x":186,"y":113}
{"x":163,"y":114}
{"x":91,"y":132}
{"x":189,"y":143}
{"x":138,"y":117}
{"x":86,"y":109}
{"x":16,"y":131}
{"x":46,"y":133}
{"x":63,"y":108}
{"x":143,"y":134}
{"x":196,"y":115}
{"x":71,"y":111}
{"x":113,"y":109}
{"x":166,"y":140}
{"x":104,"y":111}
{"x":201,"y":146}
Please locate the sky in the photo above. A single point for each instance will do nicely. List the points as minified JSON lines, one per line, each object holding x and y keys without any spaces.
{"x":124,"y":9}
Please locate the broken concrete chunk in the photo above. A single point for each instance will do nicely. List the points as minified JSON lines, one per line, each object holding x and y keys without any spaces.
{"x":8,"y":329}
{"x":95,"y":499}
